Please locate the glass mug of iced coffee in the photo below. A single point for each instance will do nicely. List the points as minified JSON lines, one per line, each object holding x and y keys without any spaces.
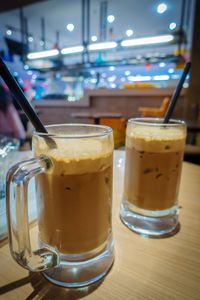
{"x":74,"y":200}
{"x":154,"y":154}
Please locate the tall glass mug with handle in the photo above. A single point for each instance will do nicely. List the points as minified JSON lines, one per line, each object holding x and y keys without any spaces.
{"x":74,"y":199}
{"x":154,"y":154}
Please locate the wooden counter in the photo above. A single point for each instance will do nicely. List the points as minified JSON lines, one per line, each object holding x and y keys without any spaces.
{"x":123,"y":101}
{"x":144,"y":269}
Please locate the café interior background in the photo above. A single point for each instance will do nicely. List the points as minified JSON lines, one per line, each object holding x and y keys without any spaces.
{"x":72,"y":31}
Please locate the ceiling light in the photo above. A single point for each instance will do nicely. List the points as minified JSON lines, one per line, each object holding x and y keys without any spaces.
{"x":15,"y":74}
{"x":70,"y":27}
{"x":93,"y":80}
{"x":139,"y":78}
{"x":161,"y":8}
{"x":111,"y":68}
{"x":112,"y":78}
{"x":34,"y":76}
{"x":71,"y":50}
{"x":129,"y":32}
{"x":160,"y":39}
{"x":92,"y":72}
{"x":172,"y":25}
{"x":41,"y":64}
{"x":8,"y":31}
{"x":161,"y":77}
{"x":186,"y":85}
{"x":26,"y":67}
{"x":41,"y":43}
{"x":30,"y":39}
{"x":102,"y":46}
{"x":127,"y":73}
{"x":43,"y":54}
{"x":171,"y":70}
{"x":162,"y":64}
{"x":29,"y":72}
{"x":110,"y":19}
{"x":93,"y":38}
{"x":113,"y":85}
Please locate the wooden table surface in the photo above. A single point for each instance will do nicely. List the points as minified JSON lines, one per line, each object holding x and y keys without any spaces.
{"x":144,"y":268}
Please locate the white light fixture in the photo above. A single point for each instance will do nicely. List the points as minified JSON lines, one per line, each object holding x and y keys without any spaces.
{"x":161,"y":77}
{"x":15,"y":74}
{"x":29,"y":72}
{"x":112,"y":78}
{"x":171,"y":70}
{"x":43,"y":54}
{"x":92,"y":72}
{"x":129,"y":32}
{"x":162,"y":64}
{"x":186,"y":85}
{"x":139,"y":78}
{"x":9,"y":32}
{"x":41,"y":64}
{"x":34,"y":76}
{"x":172,"y":25}
{"x":26,"y":67}
{"x":93,"y":80}
{"x":93,"y":38}
{"x":70,"y":27}
{"x":161,"y":8}
{"x":111,"y":68}
{"x":71,"y":50}
{"x":30,"y":39}
{"x":113,"y":85}
{"x":160,"y":39}
{"x":102,"y":46}
{"x":127,"y":73}
{"x":110,"y":19}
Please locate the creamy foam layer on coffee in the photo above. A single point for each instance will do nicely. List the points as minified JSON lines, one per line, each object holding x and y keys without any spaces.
{"x":155,"y":139}
{"x":76,"y":157}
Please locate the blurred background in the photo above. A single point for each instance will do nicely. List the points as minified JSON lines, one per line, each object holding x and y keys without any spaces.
{"x":73,"y":31}
{"x":102,"y":61}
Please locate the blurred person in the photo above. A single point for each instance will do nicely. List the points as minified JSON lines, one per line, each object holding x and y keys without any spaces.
{"x":10,"y":123}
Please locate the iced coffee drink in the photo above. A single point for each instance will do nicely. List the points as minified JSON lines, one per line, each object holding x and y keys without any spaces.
{"x":75,"y":196}
{"x":154,"y":154}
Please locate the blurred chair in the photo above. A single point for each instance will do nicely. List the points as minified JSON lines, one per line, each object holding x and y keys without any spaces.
{"x":118,"y":126}
{"x":155,"y":111}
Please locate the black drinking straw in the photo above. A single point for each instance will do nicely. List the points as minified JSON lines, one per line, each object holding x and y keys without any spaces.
{"x":23,"y":102}
{"x":176,"y":93}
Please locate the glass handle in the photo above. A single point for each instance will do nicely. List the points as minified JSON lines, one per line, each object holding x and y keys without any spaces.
{"x":18,"y":178}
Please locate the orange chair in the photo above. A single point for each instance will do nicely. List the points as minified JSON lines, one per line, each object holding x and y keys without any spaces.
{"x":155,"y":111}
{"x":118,"y":126}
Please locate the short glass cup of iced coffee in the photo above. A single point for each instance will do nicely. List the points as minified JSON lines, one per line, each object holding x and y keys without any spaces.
{"x":154,"y":154}
{"x":74,"y":201}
